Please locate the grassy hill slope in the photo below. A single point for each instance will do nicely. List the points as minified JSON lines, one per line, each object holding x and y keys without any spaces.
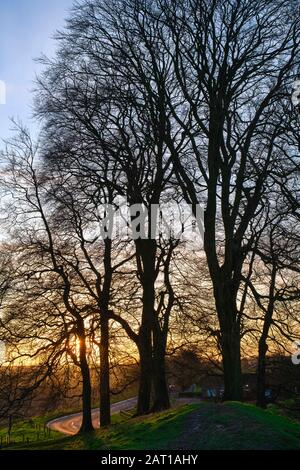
{"x":203,"y":426}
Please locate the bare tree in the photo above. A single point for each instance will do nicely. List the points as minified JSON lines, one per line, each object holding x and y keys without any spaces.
{"x":40,"y":248}
{"x":210,"y":74}
{"x":127,"y":142}
{"x":274,"y":286}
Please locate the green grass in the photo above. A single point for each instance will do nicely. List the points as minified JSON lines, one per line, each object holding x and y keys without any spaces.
{"x":31,"y":430}
{"x":126,"y":433}
{"x":243,"y":426}
{"x":290,"y":408}
{"x":203,"y":426}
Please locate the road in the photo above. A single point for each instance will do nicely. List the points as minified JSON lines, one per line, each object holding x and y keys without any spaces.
{"x":70,"y":424}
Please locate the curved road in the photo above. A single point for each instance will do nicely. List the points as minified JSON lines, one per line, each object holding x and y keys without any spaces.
{"x":70,"y":424}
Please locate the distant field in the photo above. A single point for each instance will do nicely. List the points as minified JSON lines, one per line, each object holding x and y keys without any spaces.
{"x":204,"y":426}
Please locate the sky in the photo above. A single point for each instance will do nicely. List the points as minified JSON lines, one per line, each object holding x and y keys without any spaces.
{"x":26,"y":31}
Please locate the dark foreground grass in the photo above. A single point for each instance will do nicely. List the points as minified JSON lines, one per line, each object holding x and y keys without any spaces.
{"x":205,"y":426}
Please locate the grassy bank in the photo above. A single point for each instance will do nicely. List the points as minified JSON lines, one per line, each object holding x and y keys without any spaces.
{"x":33,"y":431}
{"x":204,"y":426}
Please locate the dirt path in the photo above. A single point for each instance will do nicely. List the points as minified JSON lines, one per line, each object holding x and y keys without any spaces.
{"x":232,"y":426}
{"x":198,"y":423}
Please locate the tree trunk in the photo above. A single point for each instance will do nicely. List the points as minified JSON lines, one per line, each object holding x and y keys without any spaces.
{"x":145,"y":351}
{"x":261,"y":373}
{"x":161,"y":392}
{"x":262,"y":345}
{"x":230,"y":339}
{"x":230,"y":344}
{"x":105,"y":418}
{"x":146,"y":255}
{"x":86,"y":425}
